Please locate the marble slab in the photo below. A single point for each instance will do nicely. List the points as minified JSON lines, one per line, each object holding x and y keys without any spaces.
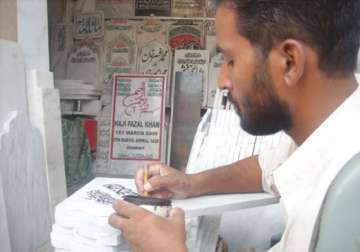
{"x":4,"y":231}
{"x":194,"y":61}
{"x":45,"y":115}
{"x":185,"y":116}
{"x":198,"y":206}
{"x":85,"y":62}
{"x":120,"y":44}
{"x":137,"y":129}
{"x":23,"y":166}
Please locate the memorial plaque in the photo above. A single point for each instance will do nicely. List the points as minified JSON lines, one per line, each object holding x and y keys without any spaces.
{"x":152,"y":7}
{"x":195,"y":61}
{"x":84,"y":62}
{"x":187,"y":8}
{"x":116,"y":8}
{"x":137,"y":117}
{"x":185,"y":34}
{"x":120,"y":44}
{"x":89,"y":25}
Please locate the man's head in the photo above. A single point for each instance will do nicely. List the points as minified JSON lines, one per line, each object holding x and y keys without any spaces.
{"x":269,"y":44}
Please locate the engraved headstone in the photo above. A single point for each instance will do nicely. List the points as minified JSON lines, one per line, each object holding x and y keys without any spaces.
{"x":84,"y":62}
{"x":138,"y":118}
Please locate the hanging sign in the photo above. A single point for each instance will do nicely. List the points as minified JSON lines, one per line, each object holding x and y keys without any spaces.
{"x":137,"y":117}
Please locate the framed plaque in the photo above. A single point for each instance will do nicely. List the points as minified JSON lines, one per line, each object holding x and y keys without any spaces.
{"x":137,"y":122}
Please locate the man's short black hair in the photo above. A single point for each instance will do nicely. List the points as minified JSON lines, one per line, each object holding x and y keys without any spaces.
{"x":330,"y":27}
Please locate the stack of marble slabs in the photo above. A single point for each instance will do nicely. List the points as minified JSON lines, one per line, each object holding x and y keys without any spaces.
{"x":81,"y":221}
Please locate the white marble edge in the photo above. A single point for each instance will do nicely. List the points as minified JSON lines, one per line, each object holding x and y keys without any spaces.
{"x":209,"y":205}
{"x":205,"y":205}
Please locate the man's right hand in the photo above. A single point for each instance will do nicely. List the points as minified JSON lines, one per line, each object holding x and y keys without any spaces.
{"x":164,"y":182}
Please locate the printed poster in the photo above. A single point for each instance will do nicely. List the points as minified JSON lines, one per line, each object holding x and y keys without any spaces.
{"x":137,"y":117}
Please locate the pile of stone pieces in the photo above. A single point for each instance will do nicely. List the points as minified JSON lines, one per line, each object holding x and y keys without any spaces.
{"x":81,"y":221}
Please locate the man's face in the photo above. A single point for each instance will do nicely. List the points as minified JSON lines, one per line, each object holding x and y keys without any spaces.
{"x":247,"y":77}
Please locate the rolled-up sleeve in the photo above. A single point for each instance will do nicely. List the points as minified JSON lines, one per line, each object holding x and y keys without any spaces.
{"x":271,"y":159}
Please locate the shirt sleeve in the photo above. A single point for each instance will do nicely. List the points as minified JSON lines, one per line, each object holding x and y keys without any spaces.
{"x":271,"y":159}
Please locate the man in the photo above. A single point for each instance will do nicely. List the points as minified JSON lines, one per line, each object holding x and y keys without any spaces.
{"x":288,"y":66}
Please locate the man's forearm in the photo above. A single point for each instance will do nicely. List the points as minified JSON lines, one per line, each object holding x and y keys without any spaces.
{"x":240,"y":177}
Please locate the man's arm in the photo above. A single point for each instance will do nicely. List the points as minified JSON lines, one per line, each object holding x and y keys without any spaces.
{"x":240,"y":177}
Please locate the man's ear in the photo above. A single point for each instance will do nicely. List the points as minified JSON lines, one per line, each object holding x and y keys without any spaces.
{"x":292,"y":61}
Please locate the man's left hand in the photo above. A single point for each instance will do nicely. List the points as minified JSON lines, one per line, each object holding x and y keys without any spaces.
{"x":146,"y":232}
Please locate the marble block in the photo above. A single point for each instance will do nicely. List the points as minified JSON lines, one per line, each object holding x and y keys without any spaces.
{"x":23,"y":171}
{"x":23,"y":166}
{"x":44,"y":112}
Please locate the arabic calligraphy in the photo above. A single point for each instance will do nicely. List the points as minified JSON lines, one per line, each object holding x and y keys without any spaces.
{"x":89,"y":25}
{"x":136,"y":102}
{"x":159,"y":56}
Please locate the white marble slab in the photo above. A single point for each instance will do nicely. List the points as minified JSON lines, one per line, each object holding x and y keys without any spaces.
{"x":23,"y":167}
{"x":204,"y":205}
{"x":4,"y":231}
{"x":44,"y":113}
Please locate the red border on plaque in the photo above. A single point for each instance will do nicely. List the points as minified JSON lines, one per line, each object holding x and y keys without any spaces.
{"x":115,"y":77}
